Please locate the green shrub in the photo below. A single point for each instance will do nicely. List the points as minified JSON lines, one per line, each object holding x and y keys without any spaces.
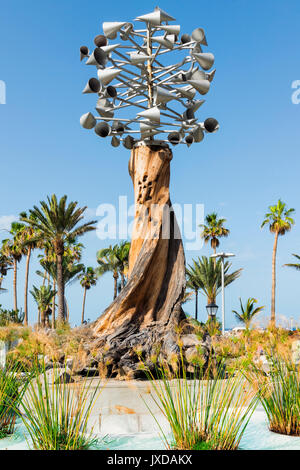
{"x":56,"y":414}
{"x":203,"y":412}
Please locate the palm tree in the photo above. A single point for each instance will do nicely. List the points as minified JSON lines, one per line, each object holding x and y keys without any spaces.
{"x":114,"y":259}
{"x":207,"y":276}
{"x":248,"y":312}
{"x":122,"y":254}
{"x":294,"y":265}
{"x":192,"y":284}
{"x":5,"y":264}
{"x":71,"y":273}
{"x":29,"y":242}
{"x":13,"y":248}
{"x":279,"y":221}
{"x":213,"y":230}
{"x":57,"y":223}
{"x":43,"y":297}
{"x":88,"y":278}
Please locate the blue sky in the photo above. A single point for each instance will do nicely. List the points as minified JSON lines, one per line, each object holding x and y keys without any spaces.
{"x":251,"y":162}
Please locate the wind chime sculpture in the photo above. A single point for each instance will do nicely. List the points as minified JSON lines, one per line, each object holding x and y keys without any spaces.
{"x":147,"y":104}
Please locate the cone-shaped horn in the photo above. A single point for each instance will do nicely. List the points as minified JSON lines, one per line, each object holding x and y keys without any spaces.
{"x":84,"y":52}
{"x":187,"y":92}
{"x":198,"y":134}
{"x":153,"y":114}
{"x":128,"y":142}
{"x":104,"y":108}
{"x":152,"y":18}
{"x":115,"y":142}
{"x":171,"y":28}
{"x":211,"y":125}
{"x":188,"y":114}
{"x":201,"y":85}
{"x":185,"y":38}
{"x":206,"y":60}
{"x":146,"y":126}
{"x":199,"y":75}
{"x":189,"y":139}
{"x":110,"y":92}
{"x":92,"y":86}
{"x":107,"y":75}
{"x":108,"y":49}
{"x":199,"y":36}
{"x":110,"y":29}
{"x":138,"y":57}
{"x":102,"y":129}
{"x":211,"y":75}
{"x":88,"y":121}
{"x":163,"y":41}
{"x":195,"y":105}
{"x":100,"y":40}
{"x":163,"y":15}
{"x":162,"y":96}
{"x":98,"y":57}
{"x":118,"y":127}
{"x":174,"y":138}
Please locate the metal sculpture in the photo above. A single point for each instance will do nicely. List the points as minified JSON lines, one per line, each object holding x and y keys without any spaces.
{"x":147,"y":104}
{"x":142,"y":98}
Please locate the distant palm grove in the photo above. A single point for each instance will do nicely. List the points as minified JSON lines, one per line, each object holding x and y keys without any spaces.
{"x":53,"y":230}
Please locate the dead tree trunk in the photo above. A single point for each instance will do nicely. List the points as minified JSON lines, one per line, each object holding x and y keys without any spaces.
{"x":142,"y":320}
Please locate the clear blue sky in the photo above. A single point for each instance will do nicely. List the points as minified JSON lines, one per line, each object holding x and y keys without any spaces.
{"x":251,"y":162}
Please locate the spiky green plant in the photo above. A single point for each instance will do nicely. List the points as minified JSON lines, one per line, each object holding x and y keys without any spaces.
{"x":279,"y":392}
{"x":202,"y":412}
{"x":11,"y":392}
{"x":56,"y":414}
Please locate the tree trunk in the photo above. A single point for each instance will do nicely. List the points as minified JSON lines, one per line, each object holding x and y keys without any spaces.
{"x":115,"y":285}
{"x":83,"y":306}
{"x":26,"y":287}
{"x":53,"y":305}
{"x":196,"y":304}
{"x":60,"y":290}
{"x":122,"y":280}
{"x":15,"y":285}
{"x":273,"y":321}
{"x":148,"y":308}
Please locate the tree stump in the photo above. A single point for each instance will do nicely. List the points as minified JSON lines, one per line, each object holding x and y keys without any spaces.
{"x":143,"y":319}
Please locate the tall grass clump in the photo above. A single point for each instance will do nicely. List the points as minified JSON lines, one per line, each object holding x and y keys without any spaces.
{"x":279,"y":393}
{"x":11,"y":392}
{"x":56,"y":414}
{"x":204,"y":410}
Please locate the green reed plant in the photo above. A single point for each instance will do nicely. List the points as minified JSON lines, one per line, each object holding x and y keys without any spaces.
{"x":56,"y":414}
{"x":202,"y":412}
{"x":11,"y":391}
{"x":279,"y":392}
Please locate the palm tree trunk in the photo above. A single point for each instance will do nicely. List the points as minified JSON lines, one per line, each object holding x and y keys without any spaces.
{"x":196,"y":304}
{"x":115,"y":285}
{"x":15,"y":285}
{"x":122,"y":280}
{"x":26,"y":287}
{"x":53,"y":306}
{"x":60,"y":290}
{"x":39,"y":317}
{"x":83,"y":306}
{"x":273,"y":321}
{"x":43,"y":322}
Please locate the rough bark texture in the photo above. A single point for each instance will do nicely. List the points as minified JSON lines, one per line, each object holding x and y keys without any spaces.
{"x":26,"y":287}
{"x":142,"y":320}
